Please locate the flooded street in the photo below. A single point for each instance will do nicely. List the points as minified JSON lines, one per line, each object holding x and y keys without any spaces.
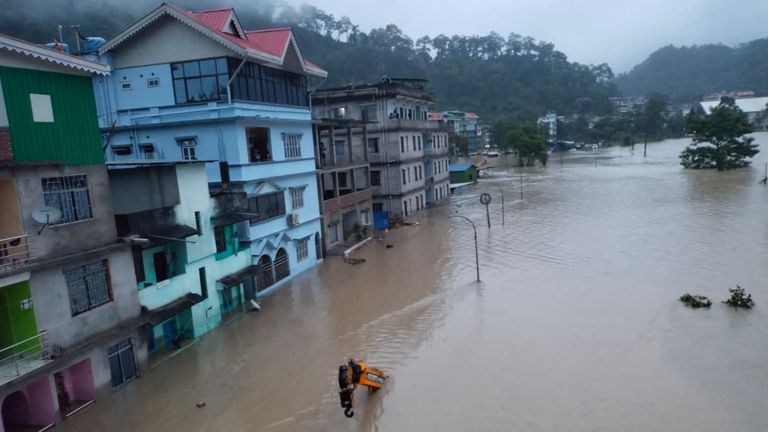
{"x":576,"y":325}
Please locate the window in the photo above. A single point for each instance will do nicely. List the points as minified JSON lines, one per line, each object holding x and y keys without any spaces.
{"x":302,"y":250}
{"x":403,"y":175}
{"x":282,"y":266}
{"x":126,"y":85}
{"x":263,"y":84}
{"x":221,"y":239}
{"x":203,"y":282}
{"x":375,"y":178}
{"x":89,"y":286}
{"x":153,"y":82}
{"x":292,"y":143}
{"x":200,"y":80}
{"x":402,"y":144}
{"x":368,"y":113}
{"x":122,"y":149}
{"x":258,"y":144}
{"x":42,"y":109}
{"x":198,"y":223}
{"x":267,"y":206}
{"x":188,"y":146}
{"x":373,"y":145}
{"x":419,"y":140}
{"x":122,"y":364}
{"x":378,"y":207}
{"x":69,"y":195}
{"x":365,"y":217}
{"x":333,"y":233}
{"x":340,"y":146}
{"x":297,"y":197}
{"x":148,"y":151}
{"x":413,"y":145}
{"x":339,"y":112}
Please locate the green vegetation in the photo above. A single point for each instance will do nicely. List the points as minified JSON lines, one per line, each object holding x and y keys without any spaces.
{"x":687,"y":73}
{"x":695,"y":301}
{"x":739,"y":298}
{"x":718,"y":139}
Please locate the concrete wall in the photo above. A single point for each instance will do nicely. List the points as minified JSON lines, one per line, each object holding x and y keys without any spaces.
{"x":50,"y":297}
{"x":57,"y":240}
{"x":141,"y":95}
{"x":10,"y":218}
{"x":135,"y":190}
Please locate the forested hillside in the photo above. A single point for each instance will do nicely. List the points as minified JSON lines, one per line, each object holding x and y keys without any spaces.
{"x":686,"y":73}
{"x":491,"y":75}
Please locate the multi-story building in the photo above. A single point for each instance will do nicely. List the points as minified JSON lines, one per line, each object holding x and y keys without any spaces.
{"x":341,"y":149}
{"x":408,"y":153}
{"x":197,"y":86}
{"x":466,"y":124}
{"x":69,"y":312}
{"x":191,"y":268}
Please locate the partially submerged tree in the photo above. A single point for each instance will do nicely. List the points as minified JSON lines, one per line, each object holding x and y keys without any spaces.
{"x":718,"y":139}
{"x":739,"y":298}
{"x":529,"y":144}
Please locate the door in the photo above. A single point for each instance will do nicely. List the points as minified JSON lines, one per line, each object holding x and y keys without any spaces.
{"x":170,"y":332}
{"x":122,"y":364}
{"x":161,"y":266}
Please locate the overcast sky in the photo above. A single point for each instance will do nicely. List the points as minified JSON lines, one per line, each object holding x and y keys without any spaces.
{"x":619,"y":32}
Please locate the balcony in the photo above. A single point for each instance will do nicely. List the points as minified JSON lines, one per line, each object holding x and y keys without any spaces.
{"x":24,"y":357}
{"x":14,"y":253}
{"x":333,"y":204}
{"x":409,"y":124}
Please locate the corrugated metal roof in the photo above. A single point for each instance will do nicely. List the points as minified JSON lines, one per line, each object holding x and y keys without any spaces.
{"x":747,"y":105}
{"x":43,"y":53}
{"x":271,"y":41}
{"x":459,"y":167}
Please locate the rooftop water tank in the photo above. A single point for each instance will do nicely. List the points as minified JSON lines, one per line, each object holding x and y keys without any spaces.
{"x":92,"y":44}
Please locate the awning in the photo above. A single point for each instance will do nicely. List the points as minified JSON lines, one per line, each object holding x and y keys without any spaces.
{"x":229,"y":219}
{"x":170,"y":233}
{"x":233,"y":279}
{"x":156,"y":316}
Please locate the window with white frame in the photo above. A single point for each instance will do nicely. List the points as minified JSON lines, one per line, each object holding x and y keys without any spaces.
{"x":42,"y":109}
{"x":333,"y":233}
{"x":302,"y":249}
{"x":89,"y":286}
{"x":297,"y":197}
{"x":292,"y":143}
{"x":69,"y":195}
{"x":188,"y":148}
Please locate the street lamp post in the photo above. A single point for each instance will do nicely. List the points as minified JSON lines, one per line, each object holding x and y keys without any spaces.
{"x":485,"y":199}
{"x":477,"y":257}
{"x":501,"y":190}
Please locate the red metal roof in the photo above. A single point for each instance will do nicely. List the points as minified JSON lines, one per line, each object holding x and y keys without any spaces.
{"x":435,"y":116}
{"x":272,"y":42}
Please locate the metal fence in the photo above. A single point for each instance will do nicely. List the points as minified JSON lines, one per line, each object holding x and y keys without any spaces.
{"x":14,"y":252}
{"x":24,"y":356}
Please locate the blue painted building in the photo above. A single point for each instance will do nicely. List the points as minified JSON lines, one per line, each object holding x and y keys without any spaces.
{"x":196,"y":86}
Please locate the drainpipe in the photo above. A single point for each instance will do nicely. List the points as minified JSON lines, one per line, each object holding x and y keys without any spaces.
{"x":232,"y":78}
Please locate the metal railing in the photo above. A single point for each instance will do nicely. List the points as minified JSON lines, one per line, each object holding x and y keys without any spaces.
{"x":14,"y":252}
{"x":24,"y":356}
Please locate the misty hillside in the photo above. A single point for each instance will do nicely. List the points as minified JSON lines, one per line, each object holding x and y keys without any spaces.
{"x":685,"y":73}
{"x":491,"y":75}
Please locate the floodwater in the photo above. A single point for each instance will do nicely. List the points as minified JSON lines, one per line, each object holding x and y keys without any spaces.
{"x":576,"y":325}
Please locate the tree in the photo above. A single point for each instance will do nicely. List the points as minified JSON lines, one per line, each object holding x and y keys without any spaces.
{"x":529,"y":144}
{"x":459,"y":143}
{"x":718,"y":139}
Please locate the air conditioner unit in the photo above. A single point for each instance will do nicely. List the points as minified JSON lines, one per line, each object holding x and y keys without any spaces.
{"x":293,"y":218}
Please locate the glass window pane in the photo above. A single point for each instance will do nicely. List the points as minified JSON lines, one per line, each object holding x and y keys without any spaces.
{"x":194,"y":90}
{"x":223,"y":86}
{"x":181,"y":91}
{"x":210,"y":88}
{"x":221,"y":65}
{"x":208,"y":67}
{"x":191,"y":69}
{"x":177,"y":71}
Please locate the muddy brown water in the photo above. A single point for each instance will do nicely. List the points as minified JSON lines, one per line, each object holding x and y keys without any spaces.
{"x":576,"y":325}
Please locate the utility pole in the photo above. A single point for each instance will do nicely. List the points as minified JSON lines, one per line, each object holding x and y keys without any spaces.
{"x":477,"y":256}
{"x":521,"y":186}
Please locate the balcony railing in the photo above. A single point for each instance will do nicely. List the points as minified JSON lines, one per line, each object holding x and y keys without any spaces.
{"x":24,"y":357}
{"x":14,"y":252}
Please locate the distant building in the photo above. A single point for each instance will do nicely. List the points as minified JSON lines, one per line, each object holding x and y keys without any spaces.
{"x":625,"y":105}
{"x":752,"y":106}
{"x":192,"y":86}
{"x":466,"y":124}
{"x":549,"y":123}
{"x":408,"y":153}
{"x":342,"y":150}
{"x":462,"y":173}
{"x":69,"y":313}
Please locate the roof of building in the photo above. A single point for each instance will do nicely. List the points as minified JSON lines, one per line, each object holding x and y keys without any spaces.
{"x":435,"y":116}
{"x":222,"y":25}
{"x":46,"y":54}
{"x":459,"y":167}
{"x":748,"y":105}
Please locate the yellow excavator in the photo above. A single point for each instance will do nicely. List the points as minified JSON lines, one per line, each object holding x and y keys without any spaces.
{"x":355,"y":373}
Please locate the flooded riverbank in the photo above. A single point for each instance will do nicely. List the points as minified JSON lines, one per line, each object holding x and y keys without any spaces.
{"x":576,"y":325}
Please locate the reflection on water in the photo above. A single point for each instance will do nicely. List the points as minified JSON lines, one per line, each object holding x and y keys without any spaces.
{"x":576,"y":325}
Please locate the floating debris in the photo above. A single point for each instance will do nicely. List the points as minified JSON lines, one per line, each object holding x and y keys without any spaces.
{"x":695,"y":301}
{"x":739,"y":298}
{"x":354,"y":260}
{"x":200,"y":404}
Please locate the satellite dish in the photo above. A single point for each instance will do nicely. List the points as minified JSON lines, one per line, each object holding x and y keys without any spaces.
{"x":46,"y":215}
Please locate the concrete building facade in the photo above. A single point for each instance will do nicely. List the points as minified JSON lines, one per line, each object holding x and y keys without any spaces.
{"x":407,"y":152}
{"x":197,"y":86}
{"x":69,"y":314}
